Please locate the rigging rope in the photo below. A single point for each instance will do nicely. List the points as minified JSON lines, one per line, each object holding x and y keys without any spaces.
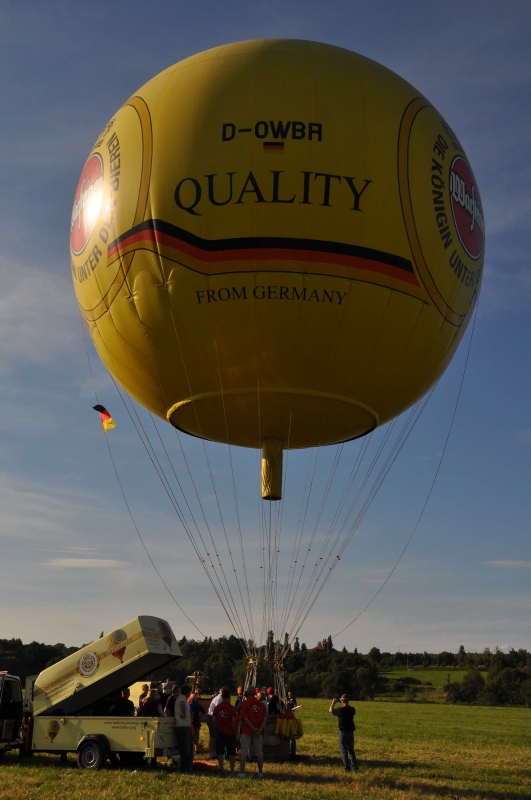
{"x":125,"y":497}
{"x":399,"y":559}
{"x":236,"y":509}
{"x":159,"y":470}
{"x":404,"y":434}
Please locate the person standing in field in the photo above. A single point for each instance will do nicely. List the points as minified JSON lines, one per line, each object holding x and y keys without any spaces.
{"x":152,"y":706}
{"x":196,"y":710}
{"x":345,"y":717}
{"x":253,"y":718}
{"x":183,"y":727}
{"x":123,"y":707}
{"x":169,"y":708}
{"x":239,"y":698}
{"x":144,"y":694}
{"x":226,"y":721}
{"x":216,"y":699}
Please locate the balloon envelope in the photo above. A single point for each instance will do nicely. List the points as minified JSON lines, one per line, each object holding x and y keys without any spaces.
{"x":277,"y":240}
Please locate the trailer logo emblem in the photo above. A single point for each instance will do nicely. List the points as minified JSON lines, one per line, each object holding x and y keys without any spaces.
{"x":88,"y":664}
{"x":118,"y":636}
{"x":52,"y":730}
{"x":166,"y":633}
{"x":117,"y":642}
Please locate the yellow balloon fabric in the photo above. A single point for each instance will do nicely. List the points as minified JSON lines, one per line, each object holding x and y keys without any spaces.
{"x":277,"y":240}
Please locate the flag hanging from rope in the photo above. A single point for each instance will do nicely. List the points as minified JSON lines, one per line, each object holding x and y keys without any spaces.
{"x":106,"y":419}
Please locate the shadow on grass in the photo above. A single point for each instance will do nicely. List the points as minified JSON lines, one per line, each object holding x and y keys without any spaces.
{"x":291,"y":774}
{"x":446,"y":791}
{"x":160,"y":770}
{"x":374,"y":764}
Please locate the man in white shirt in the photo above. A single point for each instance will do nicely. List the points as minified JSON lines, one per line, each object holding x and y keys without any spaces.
{"x":216,"y":700}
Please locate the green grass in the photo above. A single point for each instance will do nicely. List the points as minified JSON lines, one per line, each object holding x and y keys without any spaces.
{"x":435,"y":677}
{"x":405,"y":751}
{"x":431,"y":694}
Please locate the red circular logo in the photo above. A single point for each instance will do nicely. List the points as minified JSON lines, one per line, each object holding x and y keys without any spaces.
{"x":87,"y":204}
{"x":466,"y":207}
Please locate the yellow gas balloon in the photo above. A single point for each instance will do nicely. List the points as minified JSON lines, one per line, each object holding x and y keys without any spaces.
{"x":277,"y":244}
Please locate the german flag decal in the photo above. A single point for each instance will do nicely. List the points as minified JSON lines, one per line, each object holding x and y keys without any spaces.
{"x":274,"y":147}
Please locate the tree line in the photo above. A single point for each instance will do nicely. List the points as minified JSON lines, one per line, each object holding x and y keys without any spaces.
{"x":491,"y":677}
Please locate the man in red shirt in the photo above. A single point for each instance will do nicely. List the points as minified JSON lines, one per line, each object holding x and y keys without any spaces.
{"x":253,"y":717}
{"x":225,"y":719}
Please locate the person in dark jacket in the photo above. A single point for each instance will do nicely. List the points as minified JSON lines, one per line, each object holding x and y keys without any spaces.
{"x":274,"y":705}
{"x":122,"y":706}
{"x":345,"y":717}
{"x":239,"y":698}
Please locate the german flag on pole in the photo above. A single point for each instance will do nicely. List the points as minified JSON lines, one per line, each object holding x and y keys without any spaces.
{"x":106,"y":419}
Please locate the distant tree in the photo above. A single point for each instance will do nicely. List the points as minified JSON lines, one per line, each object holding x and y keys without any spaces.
{"x":472,"y":684}
{"x":445,"y":659}
{"x":9,"y":662}
{"x":525,"y":692}
{"x":453,"y":692}
{"x":461,"y":655}
{"x":505,"y":687}
{"x":297,"y":646}
{"x":374,"y":655}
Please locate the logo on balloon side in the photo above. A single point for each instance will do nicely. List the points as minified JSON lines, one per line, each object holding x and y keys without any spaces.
{"x":87,"y":204}
{"x":467,"y":210}
{"x":442,"y":211}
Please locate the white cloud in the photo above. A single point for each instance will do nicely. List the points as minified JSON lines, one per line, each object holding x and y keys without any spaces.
{"x":40,"y":513}
{"x":508,"y":563}
{"x":85,"y":563}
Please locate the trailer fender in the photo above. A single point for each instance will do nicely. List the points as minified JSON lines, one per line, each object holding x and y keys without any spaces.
{"x":101,"y":740}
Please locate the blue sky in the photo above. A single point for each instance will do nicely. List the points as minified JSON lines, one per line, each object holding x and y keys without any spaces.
{"x":70,"y":560}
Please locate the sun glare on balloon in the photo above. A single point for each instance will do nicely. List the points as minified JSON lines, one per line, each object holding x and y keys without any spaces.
{"x":93,"y":208}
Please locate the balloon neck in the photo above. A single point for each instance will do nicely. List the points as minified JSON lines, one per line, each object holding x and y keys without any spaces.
{"x":271,"y":469}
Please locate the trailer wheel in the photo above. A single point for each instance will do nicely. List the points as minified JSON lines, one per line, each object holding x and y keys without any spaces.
{"x":90,"y":756}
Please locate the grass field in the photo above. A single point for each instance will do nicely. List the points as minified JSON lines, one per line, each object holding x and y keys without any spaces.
{"x":437,"y":678}
{"x":432,"y":694}
{"x":405,"y":751}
